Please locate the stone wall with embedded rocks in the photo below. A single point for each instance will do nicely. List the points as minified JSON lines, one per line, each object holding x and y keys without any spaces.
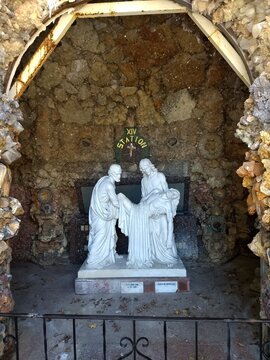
{"x":157,"y":73}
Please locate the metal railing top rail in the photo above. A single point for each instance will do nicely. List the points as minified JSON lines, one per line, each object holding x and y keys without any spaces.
{"x":134,"y":317}
{"x":135,"y":343}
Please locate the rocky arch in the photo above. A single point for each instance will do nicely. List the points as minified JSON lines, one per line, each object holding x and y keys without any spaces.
{"x":251,"y":26}
{"x":222,"y":40}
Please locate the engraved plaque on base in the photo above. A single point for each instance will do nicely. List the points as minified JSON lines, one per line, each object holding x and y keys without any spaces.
{"x":132,"y":287}
{"x":166,"y":286}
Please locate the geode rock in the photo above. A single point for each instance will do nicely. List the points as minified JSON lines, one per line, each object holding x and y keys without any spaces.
{"x":5,"y":256}
{"x":6,"y":299}
{"x":256,"y":246}
{"x":260,"y":90}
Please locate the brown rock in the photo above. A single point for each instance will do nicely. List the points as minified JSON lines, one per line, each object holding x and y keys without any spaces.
{"x":252,"y":155}
{"x":210,"y":146}
{"x":147,"y":114}
{"x":212,"y":121}
{"x":247,"y":182}
{"x":211,"y":100}
{"x":92,"y":142}
{"x":256,"y":246}
{"x":129,"y":71}
{"x":5,"y":180}
{"x":215,"y":73}
{"x":52,"y":75}
{"x":266,"y":219}
{"x":176,"y":74}
{"x":6,"y":301}
{"x":4,"y":202}
{"x":264,"y":151}
{"x":188,"y":41}
{"x":251,"y":168}
{"x":154,"y":46}
{"x":242,"y":172}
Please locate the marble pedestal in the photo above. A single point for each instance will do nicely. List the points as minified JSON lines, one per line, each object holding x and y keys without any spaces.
{"x":117,"y":278}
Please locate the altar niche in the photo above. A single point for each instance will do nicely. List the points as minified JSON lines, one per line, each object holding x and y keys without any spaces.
{"x":153,"y":263}
{"x":184,"y":222}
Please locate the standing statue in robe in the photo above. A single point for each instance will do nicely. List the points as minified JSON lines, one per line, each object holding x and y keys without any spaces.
{"x":103,"y":213}
{"x":149,"y":225}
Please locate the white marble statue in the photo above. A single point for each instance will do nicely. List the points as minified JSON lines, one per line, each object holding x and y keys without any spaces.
{"x":149,"y":224}
{"x":103,"y":213}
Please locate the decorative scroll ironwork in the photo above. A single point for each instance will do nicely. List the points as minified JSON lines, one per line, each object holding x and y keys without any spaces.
{"x":10,"y":339}
{"x":124,"y":343}
{"x":11,"y":344}
{"x":266,"y":350}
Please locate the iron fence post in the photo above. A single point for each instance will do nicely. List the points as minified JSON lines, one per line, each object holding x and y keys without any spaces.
{"x":228,"y":341}
{"x":196,"y":341}
{"x":165,"y":339}
{"x":74,"y":339}
{"x":45,"y":339}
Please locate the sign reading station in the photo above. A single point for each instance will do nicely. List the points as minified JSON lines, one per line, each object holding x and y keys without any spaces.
{"x":131,"y":146}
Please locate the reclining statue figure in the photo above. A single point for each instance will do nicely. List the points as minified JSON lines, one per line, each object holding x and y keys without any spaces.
{"x":149,"y":224}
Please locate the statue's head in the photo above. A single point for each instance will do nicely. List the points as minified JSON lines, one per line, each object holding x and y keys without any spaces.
{"x":146,"y":167}
{"x":115,"y":172}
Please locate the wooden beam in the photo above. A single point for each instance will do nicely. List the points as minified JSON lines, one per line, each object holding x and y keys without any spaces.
{"x":222,"y":45}
{"x":41,"y":55}
{"x":30,"y":42}
{"x":130,"y":8}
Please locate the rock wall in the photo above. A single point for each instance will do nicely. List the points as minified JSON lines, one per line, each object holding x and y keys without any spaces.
{"x":159,"y":74}
{"x":249,"y":21}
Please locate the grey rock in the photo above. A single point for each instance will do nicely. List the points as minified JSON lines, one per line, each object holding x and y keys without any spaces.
{"x":260,"y":91}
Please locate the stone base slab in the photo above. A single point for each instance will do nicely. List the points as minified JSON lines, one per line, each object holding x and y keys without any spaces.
{"x":131,"y":286}
{"x":117,"y":278}
{"x":120,"y":270}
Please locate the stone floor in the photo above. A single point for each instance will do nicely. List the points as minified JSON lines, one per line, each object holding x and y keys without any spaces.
{"x":230,"y":290}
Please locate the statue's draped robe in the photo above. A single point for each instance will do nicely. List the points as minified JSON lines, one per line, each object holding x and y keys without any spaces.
{"x":135,"y":224}
{"x":149,"y":225}
{"x":103,"y":213}
{"x":162,"y":202}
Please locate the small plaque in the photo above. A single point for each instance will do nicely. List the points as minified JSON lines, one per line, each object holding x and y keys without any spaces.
{"x":166,"y":286}
{"x":132,"y":287}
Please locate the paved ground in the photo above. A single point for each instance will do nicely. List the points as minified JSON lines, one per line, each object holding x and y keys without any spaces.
{"x":230,"y":290}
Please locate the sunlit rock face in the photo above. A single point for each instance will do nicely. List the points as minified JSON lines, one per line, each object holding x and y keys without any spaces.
{"x":249,"y":22}
{"x":253,"y":129}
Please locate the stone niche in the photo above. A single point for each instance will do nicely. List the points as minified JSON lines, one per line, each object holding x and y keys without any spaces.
{"x":159,"y":74}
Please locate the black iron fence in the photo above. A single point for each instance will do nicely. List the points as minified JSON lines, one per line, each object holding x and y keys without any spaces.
{"x":133,"y":345}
